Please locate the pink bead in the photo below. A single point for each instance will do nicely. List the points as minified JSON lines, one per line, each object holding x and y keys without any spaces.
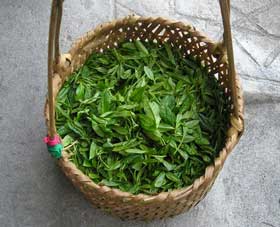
{"x":52,"y":141}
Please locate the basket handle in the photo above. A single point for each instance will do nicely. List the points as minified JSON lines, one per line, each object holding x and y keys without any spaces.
{"x":54,"y":54}
{"x":227,"y":42}
{"x":53,"y":58}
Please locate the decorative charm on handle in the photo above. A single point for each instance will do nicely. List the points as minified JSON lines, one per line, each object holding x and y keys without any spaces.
{"x":54,"y":146}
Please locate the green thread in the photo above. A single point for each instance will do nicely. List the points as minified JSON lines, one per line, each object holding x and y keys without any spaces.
{"x":56,"y":150}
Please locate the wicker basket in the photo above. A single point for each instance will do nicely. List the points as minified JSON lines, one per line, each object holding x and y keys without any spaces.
{"x":217,"y":56}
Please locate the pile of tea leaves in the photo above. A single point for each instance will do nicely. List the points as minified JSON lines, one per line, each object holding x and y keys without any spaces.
{"x":142,"y":118}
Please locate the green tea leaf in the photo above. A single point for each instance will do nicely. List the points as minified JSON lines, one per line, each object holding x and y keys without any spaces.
{"x":135,"y":151}
{"x":149,"y":73}
{"x":154,"y":135}
{"x":159,"y":181}
{"x":108,"y":183}
{"x":142,"y":117}
{"x":105,"y":102}
{"x":165,"y":127}
{"x":141,"y":47}
{"x":152,"y":111}
{"x":168,"y":165}
{"x":67,"y":140}
{"x":129,"y":46}
{"x":114,"y":166}
{"x":173,"y":177}
{"x":183,"y":154}
{"x":93,"y":176}
{"x":191,"y":124}
{"x":170,"y":54}
{"x":166,"y":111}
{"x":147,"y":123}
{"x":85,"y":71}
{"x":93,"y":150}
{"x":80,"y":91}
{"x":120,"y":130}
{"x":137,"y":94}
{"x":87,"y":163}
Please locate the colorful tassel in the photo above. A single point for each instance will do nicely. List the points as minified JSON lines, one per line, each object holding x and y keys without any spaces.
{"x":54,"y":146}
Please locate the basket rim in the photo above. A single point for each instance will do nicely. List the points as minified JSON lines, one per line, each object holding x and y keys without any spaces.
{"x":234,"y":132}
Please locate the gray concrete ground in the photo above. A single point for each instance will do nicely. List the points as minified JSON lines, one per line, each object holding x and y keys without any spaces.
{"x":33,"y":191}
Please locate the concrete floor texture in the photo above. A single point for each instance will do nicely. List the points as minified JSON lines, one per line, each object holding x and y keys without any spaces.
{"x":34,"y":192}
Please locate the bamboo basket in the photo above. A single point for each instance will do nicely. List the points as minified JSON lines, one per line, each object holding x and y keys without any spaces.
{"x":218,"y":57}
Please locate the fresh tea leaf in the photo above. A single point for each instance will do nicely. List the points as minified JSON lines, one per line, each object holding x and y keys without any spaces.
{"x":159,"y":181}
{"x":93,"y":150}
{"x":142,"y":118}
{"x":149,"y":73}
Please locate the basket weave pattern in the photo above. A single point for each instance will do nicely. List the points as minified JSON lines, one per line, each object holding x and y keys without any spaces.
{"x":191,"y":42}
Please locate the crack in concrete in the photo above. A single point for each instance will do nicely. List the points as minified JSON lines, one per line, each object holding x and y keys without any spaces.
{"x":127,"y":8}
{"x":268,"y":224}
{"x":253,"y":32}
{"x":235,"y":25}
{"x":251,"y":78}
{"x":246,"y":51}
{"x":252,"y":21}
{"x":195,"y":17}
{"x":272,"y":56}
{"x":253,"y":99}
{"x":254,"y":11}
{"x":265,"y":32}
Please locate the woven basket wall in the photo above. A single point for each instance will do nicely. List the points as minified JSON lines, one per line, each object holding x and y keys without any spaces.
{"x":191,"y":42}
